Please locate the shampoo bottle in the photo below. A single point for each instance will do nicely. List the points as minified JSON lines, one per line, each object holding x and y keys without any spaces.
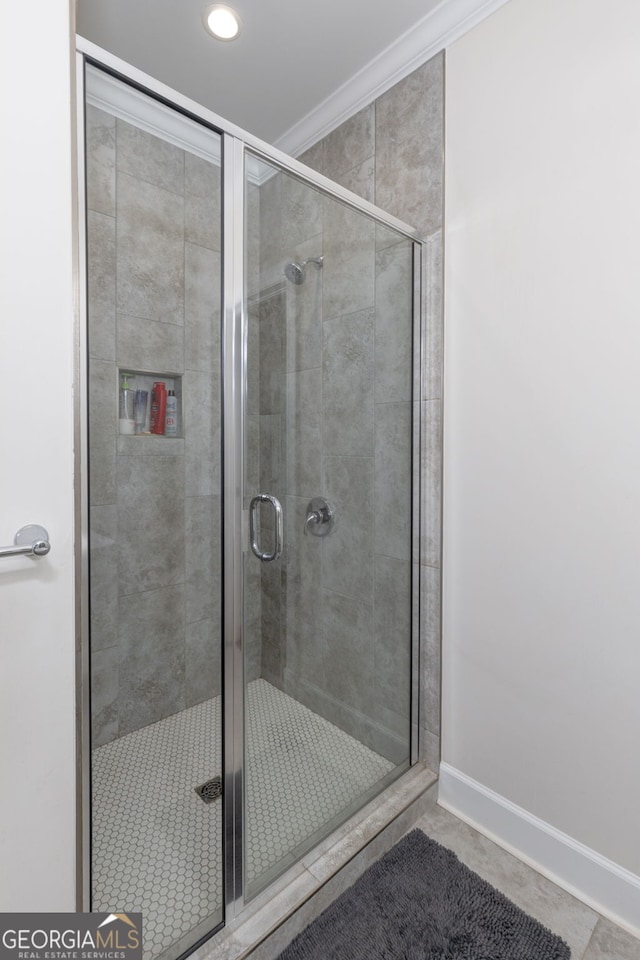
{"x":127,"y":416}
{"x":171,"y":421}
{"x":158,"y":407}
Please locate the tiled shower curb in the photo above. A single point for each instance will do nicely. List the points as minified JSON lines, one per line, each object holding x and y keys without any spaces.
{"x":278,"y":914}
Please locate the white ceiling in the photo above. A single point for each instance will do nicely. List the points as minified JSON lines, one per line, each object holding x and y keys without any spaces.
{"x":298,"y":67}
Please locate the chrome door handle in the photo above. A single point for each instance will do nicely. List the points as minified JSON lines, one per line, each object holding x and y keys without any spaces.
{"x":31,"y":540}
{"x":278,"y":527}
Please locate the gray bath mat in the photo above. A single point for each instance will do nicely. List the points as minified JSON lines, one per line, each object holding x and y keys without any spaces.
{"x":419,"y":902}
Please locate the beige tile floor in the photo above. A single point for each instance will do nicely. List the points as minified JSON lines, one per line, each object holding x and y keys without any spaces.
{"x":590,"y":936}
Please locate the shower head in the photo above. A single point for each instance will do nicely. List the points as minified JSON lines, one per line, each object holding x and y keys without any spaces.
{"x":295,"y":271}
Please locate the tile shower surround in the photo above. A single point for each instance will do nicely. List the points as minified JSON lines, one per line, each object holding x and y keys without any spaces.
{"x":332,"y":422}
{"x":390,"y":153}
{"x":154,"y":282}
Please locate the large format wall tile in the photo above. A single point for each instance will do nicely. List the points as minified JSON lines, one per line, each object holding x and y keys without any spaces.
{"x":203,"y":559}
{"x":103,"y":539}
{"x":302,"y":212}
{"x":307,"y":658}
{"x":314,"y":157}
{"x":409,"y":144}
{"x":347,"y":551}
{"x":149,"y":158}
{"x":103,"y":419}
{"x":252,"y":240}
{"x":252,"y":617}
{"x":302,"y":569}
{"x":270,"y":347}
{"x":361,"y":179}
{"x":101,"y":279}
{"x":141,"y":548}
{"x":202,"y":412}
{"x":150,"y":523}
{"x":394,"y":322}
{"x":253,"y":358}
{"x":148,"y":345}
{"x":392,"y":619}
{"x":303,"y":433}
{"x":270,"y":231}
{"x":393,"y":472}
{"x":202,"y":307}
{"x":273,"y":650}
{"x":349,"y":260}
{"x":430,"y":541}
{"x":303,"y":311}
{"x":105,"y":688}
{"x":270,"y":454}
{"x":253,"y":440}
{"x":348,"y":385}
{"x":152,"y":657}
{"x":430,"y":659}
{"x":150,"y":251}
{"x":406,"y":150}
{"x":351,"y":143}
{"x":100,"y":139}
{"x":432,"y":320}
{"x":203,"y":661}
{"x":202,"y":202}
{"x":349,"y":669}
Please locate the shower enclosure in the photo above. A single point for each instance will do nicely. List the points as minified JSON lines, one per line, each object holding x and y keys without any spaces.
{"x":252,"y":626}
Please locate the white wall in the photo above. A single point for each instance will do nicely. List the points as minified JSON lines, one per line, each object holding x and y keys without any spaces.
{"x":37,"y":812}
{"x":542,"y":421}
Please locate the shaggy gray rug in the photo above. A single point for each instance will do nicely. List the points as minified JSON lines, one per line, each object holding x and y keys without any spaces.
{"x":419,"y":902}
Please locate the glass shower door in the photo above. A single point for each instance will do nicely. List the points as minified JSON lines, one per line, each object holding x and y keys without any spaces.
{"x":154,"y":294}
{"x":327,"y":495}
{"x":316,"y":524}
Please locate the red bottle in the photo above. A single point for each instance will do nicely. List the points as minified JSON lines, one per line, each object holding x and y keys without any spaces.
{"x":158,"y":407}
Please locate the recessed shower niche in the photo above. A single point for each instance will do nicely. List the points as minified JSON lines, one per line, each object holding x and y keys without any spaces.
{"x":293,"y":360}
{"x":149,"y":405}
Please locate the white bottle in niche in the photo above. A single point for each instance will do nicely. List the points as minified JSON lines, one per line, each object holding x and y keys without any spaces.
{"x":127,"y":417}
{"x":171,"y":421}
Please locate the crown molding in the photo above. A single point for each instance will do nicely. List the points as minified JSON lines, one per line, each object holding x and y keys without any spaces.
{"x":448,"y":21}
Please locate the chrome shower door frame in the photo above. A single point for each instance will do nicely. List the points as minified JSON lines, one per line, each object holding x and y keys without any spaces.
{"x":235,"y":143}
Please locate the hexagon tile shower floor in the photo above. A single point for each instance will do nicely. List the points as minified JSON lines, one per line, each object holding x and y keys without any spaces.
{"x":157,"y":846}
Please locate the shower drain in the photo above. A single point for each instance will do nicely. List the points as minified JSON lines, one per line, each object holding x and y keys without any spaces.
{"x":211,"y":790}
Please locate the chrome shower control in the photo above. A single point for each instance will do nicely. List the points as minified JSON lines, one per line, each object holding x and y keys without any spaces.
{"x":320,"y":517}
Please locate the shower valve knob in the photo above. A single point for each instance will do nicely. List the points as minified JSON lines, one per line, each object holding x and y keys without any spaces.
{"x":320,"y":517}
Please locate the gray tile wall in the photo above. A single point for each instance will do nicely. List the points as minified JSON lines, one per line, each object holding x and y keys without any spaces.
{"x":391,"y":153}
{"x":334,"y":416}
{"x":154,"y":306}
{"x":319,"y":623}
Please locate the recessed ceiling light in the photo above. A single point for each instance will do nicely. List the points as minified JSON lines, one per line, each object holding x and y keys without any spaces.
{"x":222,"y":22}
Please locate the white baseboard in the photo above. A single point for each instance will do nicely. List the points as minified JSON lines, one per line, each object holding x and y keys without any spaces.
{"x":601,"y":884}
